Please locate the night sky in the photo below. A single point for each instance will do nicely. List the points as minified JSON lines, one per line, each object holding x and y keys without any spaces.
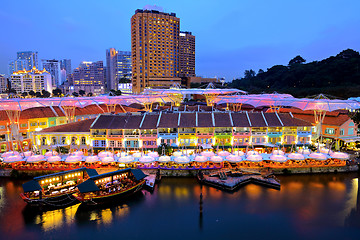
{"x":231,"y":36}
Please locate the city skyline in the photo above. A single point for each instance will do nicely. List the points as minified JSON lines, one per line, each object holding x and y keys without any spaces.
{"x":243,"y":35}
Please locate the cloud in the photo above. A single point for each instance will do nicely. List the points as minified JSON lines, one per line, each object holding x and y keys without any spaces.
{"x":153,"y":7}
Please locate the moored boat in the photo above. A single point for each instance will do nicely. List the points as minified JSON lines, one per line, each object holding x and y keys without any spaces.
{"x":55,"y":190}
{"x":106,"y":187}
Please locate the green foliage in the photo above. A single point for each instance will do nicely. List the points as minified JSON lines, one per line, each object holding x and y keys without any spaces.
{"x":57,"y":92}
{"x":115,"y":92}
{"x":338,"y":76}
{"x":168,"y":149}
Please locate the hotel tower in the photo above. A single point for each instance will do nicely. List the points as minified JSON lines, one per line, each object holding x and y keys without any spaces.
{"x":154,"y":49}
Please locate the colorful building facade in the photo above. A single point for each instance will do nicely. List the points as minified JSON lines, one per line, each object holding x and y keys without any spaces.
{"x":183,"y":129}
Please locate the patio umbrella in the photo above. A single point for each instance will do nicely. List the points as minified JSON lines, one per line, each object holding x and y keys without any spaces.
{"x":153,"y":154}
{"x":13,"y":159}
{"x":10,"y":153}
{"x":296,"y":156}
{"x":318,"y":156}
{"x":35,"y":158}
{"x":340,"y":155}
{"x":278,"y":158}
{"x":52,"y":159}
{"x":216,"y":159}
{"x":201,"y":159}
{"x":126,"y":159}
{"x":164,"y":159}
{"x":223,"y":153}
{"x":92,"y":159}
{"x":105,"y":154}
{"x":234,"y":158}
{"x":146,"y":159}
{"x":107,"y":160}
{"x":182,"y":159}
{"x":177,"y":154}
{"x":254,"y":158}
{"x":73,"y":159}
{"x":207,"y":154}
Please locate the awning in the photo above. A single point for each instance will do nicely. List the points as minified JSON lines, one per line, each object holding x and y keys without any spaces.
{"x":31,"y":186}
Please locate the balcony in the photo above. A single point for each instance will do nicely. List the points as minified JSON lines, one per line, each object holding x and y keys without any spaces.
{"x":303,"y":133}
{"x":167,"y":135}
{"x":204,"y":134}
{"x":289,"y":132}
{"x":148,"y":135}
{"x":274,"y":134}
{"x":241,"y":133}
{"x":260,"y":134}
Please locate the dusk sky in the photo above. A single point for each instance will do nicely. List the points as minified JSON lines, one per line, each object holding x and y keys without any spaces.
{"x":231,"y":36}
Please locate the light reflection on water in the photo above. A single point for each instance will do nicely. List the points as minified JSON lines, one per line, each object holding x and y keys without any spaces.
{"x":305,"y":205}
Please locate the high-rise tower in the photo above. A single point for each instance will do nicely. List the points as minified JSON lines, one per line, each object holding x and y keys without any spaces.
{"x":187,"y":54}
{"x":154,"y":49}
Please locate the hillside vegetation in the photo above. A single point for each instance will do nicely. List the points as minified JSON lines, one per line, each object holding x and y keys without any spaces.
{"x":337,"y":76}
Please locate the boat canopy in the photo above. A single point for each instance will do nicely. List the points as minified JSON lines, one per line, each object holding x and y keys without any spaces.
{"x":31,"y":186}
{"x":90,"y":172}
{"x":88,"y":186}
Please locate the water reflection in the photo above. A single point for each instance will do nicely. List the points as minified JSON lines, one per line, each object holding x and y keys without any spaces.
{"x":306,"y":205}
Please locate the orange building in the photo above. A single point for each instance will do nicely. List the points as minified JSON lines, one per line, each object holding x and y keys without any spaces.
{"x":154,"y":49}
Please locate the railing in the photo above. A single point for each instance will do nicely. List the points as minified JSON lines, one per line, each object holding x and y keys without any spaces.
{"x":241,"y":133}
{"x":258,"y":133}
{"x":149,"y":135}
{"x":168,"y":135}
{"x":223,"y":133}
{"x":303,"y":133}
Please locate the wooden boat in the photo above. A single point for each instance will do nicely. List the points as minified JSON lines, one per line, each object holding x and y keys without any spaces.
{"x":106,"y":187}
{"x":55,"y":190}
{"x":150,"y":182}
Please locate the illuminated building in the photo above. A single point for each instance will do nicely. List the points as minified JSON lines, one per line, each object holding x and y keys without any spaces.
{"x":16,"y":65}
{"x":53,"y":67}
{"x":3,"y":84}
{"x":154,"y":49}
{"x":89,"y":77}
{"x":31,"y":80}
{"x":187,"y":54}
{"x":190,"y":129}
{"x":31,"y":59}
{"x":65,"y":64}
{"x":118,"y":67}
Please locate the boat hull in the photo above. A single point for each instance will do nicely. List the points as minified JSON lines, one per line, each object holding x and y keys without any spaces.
{"x":59,"y":201}
{"x":111,"y":196}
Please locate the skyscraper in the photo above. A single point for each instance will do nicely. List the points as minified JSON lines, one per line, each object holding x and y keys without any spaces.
{"x":66,"y":64}
{"x":187,"y":54}
{"x":118,"y":66}
{"x":154,"y":49}
{"x":111,"y":55}
{"x":16,"y":65}
{"x":89,"y":77}
{"x":31,"y":59}
{"x":53,"y":67}
{"x":3,"y":84}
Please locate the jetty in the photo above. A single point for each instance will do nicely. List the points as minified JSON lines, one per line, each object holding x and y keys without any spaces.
{"x":231,"y":181}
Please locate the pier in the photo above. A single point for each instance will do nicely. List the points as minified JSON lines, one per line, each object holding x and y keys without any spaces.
{"x":231,"y":181}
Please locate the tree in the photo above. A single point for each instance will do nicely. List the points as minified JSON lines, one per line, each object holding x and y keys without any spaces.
{"x":115,"y":92}
{"x":249,"y":74}
{"x":260,"y":71}
{"x":45,"y":94}
{"x":12,"y":90}
{"x":32,"y":93}
{"x":24,"y":94}
{"x":38,"y":94}
{"x":82,"y":92}
{"x":296,"y":60}
{"x":75,"y":94}
{"x":90,"y":94}
{"x":57,"y":92}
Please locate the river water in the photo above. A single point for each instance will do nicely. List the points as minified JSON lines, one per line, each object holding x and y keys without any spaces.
{"x":325,"y":206}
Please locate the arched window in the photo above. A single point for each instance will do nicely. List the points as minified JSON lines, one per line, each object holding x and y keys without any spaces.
{"x":43,"y":141}
{"x":63,"y":140}
{"x":53,"y":140}
{"x":73,"y":140}
{"x":83,"y":141}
